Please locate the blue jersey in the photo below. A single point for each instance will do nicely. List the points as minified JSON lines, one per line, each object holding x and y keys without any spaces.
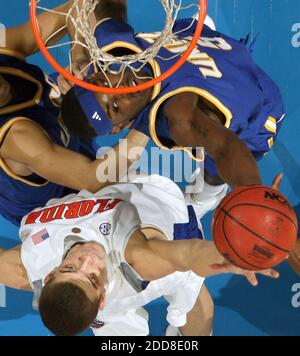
{"x":34,"y":99}
{"x":220,"y":70}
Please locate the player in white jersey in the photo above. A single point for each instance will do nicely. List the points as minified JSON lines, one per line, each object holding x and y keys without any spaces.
{"x":88,"y":256}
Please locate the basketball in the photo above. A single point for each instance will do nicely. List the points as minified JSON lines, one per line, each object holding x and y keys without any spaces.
{"x":255,"y":227}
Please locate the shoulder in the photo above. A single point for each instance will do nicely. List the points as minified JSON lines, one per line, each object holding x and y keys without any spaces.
{"x":22,"y":136}
{"x":22,"y":127}
{"x":181,"y":106}
{"x":16,"y":126}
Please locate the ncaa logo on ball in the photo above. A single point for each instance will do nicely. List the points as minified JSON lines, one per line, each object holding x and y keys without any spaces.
{"x":277,"y":197}
{"x":105,"y":229}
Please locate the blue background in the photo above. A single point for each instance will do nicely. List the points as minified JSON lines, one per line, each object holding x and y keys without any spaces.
{"x":240,"y":308}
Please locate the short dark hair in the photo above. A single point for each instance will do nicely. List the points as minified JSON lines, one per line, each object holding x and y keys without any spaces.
{"x":65,"y":308}
{"x":74,"y":117}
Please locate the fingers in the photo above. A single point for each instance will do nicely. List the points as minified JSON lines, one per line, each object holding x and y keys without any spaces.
{"x":270,"y":273}
{"x":251,"y":277}
{"x":277,"y":182}
{"x":80,"y":70}
{"x":63,"y":84}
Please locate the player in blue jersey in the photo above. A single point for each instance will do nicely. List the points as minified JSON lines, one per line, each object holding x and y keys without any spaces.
{"x":38,"y":157}
{"x":220,"y":100}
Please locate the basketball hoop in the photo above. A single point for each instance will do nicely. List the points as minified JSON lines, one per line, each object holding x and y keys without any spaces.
{"x":107,"y":90}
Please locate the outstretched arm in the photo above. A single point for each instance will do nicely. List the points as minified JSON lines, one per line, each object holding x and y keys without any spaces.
{"x":192,"y":127}
{"x":156,"y":258}
{"x":28,"y":144}
{"x":21,"y":38}
{"x":12,"y":271}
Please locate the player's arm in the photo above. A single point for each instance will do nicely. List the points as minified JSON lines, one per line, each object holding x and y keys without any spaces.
{"x":21,"y":38}
{"x":12,"y":271}
{"x":191,"y":127}
{"x":28,"y":144}
{"x":156,"y":258}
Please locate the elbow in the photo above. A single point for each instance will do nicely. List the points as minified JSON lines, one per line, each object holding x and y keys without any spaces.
{"x":228,"y":146}
{"x":183,"y":134}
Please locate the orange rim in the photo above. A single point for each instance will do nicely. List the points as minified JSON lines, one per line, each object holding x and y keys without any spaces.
{"x":99,"y":89}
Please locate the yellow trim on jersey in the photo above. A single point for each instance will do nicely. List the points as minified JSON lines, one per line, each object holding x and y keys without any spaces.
{"x":13,"y":53}
{"x":3,"y":130}
{"x":100,"y":22}
{"x":271,"y":142}
{"x":203,"y":93}
{"x":154,"y":64}
{"x":34,"y":101}
{"x":271,"y":124}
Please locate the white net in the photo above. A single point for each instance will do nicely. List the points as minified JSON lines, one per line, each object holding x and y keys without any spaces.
{"x":79,"y":19}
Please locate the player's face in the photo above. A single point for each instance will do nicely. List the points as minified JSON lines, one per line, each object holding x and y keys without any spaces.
{"x":84,"y":266}
{"x":122,"y":109}
{"x":5,"y":92}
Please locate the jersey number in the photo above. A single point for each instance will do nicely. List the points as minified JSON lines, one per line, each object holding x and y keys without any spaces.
{"x":206,"y":64}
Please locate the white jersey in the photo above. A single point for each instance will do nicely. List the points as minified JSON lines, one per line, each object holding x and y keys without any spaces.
{"x":110,"y":217}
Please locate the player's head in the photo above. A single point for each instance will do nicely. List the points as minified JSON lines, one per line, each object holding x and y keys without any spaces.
{"x":74,"y":291}
{"x":122,"y":108}
{"x":87,"y":114}
{"x":5,"y":92}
